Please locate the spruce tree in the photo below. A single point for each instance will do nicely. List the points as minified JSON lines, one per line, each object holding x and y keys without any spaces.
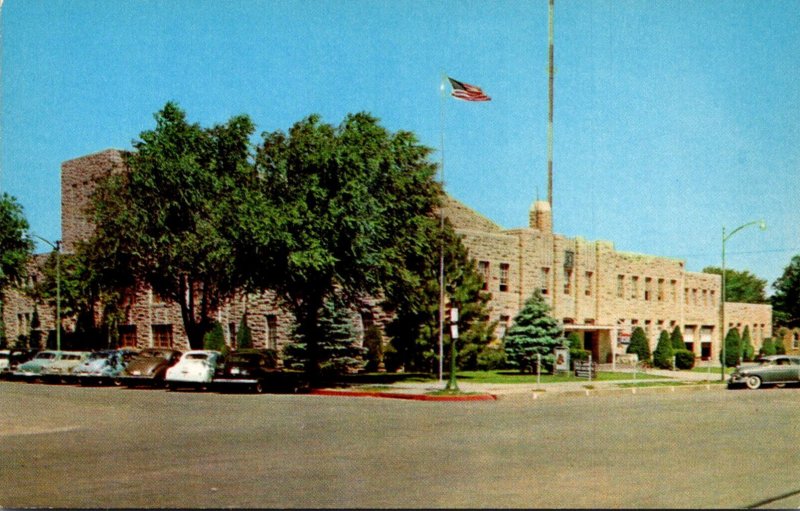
{"x":533,"y":332}
{"x":214,"y":339}
{"x":768,"y":347}
{"x":677,"y":339}
{"x":662,"y":356}
{"x":244,"y":336}
{"x":747,"y":345}
{"x":733,"y":348}
{"x":640,"y":345}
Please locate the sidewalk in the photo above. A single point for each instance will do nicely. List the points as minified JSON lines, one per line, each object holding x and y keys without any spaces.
{"x":665,"y":381}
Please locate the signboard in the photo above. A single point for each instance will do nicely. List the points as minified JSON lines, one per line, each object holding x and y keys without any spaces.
{"x":584,"y":370}
{"x":562,"y":359}
{"x":624,"y":338}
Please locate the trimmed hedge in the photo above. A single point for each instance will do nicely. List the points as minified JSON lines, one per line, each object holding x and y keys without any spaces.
{"x":684,"y":359}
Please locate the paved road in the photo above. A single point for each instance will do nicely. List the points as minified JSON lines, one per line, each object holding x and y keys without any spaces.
{"x":68,"y":446}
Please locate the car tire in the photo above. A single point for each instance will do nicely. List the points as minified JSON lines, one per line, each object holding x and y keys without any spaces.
{"x":753,"y":382}
{"x":258,"y":388}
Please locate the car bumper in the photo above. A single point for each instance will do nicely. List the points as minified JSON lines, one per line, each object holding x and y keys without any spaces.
{"x":236,"y":381}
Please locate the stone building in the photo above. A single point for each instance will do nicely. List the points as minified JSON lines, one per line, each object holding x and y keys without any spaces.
{"x":593,"y":289}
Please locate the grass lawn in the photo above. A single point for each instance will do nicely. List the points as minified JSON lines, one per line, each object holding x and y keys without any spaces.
{"x":714,"y":370}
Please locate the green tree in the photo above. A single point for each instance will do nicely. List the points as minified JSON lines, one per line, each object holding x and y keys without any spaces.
{"x":576,"y":349}
{"x":338,"y":351}
{"x":639,"y":344}
{"x":733,"y":348}
{"x":178,"y":219}
{"x":747,"y":345}
{"x":244,"y":336}
{"x":767,"y":347}
{"x":741,"y":286}
{"x":347,"y":211}
{"x":214,"y":339}
{"x":533,"y":332}
{"x":786,"y":299}
{"x":780,"y":349}
{"x":662,"y":356}
{"x":16,"y":248}
{"x":677,"y":339}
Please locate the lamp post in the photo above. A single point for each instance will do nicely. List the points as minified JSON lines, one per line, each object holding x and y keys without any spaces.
{"x":725,"y":237}
{"x":57,"y":247}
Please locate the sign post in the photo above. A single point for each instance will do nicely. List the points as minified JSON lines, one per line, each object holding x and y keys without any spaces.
{"x":452,"y":384}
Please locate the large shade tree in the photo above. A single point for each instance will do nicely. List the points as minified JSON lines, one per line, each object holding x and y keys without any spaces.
{"x":15,"y":248}
{"x":786,"y":299}
{"x":173,"y":221}
{"x":741,"y":286}
{"x":353,"y":205}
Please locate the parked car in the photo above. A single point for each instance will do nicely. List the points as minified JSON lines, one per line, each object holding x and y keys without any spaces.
{"x":60,"y":371}
{"x":194,"y":369}
{"x":256,"y":370}
{"x":32,"y":369}
{"x":149,"y":367}
{"x":103,"y":367}
{"x":11,"y":359}
{"x":770,"y":370}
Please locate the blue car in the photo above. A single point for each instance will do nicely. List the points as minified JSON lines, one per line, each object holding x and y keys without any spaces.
{"x":103,"y":367}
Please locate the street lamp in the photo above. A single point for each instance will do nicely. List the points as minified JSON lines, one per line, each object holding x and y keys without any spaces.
{"x":57,"y":247}
{"x":725,"y":237}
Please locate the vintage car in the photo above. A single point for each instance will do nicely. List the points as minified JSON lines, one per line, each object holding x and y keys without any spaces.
{"x":149,"y":367}
{"x":194,"y":369}
{"x":60,"y":371}
{"x":103,"y":367}
{"x":31,"y":370}
{"x":256,"y":370}
{"x":11,"y":359}
{"x":770,"y":370}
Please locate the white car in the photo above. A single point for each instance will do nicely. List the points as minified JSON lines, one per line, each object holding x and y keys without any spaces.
{"x":194,"y":369}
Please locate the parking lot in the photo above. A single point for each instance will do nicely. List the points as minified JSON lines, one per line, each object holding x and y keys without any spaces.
{"x":67,"y":446}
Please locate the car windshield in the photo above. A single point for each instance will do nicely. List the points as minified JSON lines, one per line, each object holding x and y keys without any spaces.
{"x":766,"y":362}
{"x":196,"y":356}
{"x":46,"y":356}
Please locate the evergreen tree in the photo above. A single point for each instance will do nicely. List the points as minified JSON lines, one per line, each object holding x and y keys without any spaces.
{"x":214,"y":339}
{"x":244,"y":336}
{"x":677,"y":339}
{"x":533,"y":332}
{"x":337,"y":350}
{"x":767,"y":347}
{"x":640,"y":345}
{"x":747,"y":345}
{"x":662,"y":356}
{"x":786,"y":299}
{"x":780,"y":349}
{"x":733,"y":348}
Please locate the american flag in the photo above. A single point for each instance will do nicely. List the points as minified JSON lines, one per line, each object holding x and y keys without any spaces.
{"x":467,"y":92}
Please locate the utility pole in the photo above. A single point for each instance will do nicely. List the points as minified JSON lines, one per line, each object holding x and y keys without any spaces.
{"x":551,"y":75}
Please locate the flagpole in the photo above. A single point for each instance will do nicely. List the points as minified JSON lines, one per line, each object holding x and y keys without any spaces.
{"x":441,"y":232}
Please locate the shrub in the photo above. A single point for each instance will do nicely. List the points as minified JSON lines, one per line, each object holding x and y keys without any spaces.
{"x":733,"y":348}
{"x":662,"y":356}
{"x":373,"y":342}
{"x":491,"y":358}
{"x":768,"y":348}
{"x":684,"y":359}
{"x":640,"y":345}
{"x":780,"y":349}
{"x":747,"y":346}
{"x":677,"y":339}
{"x":215,"y":340}
{"x":244,"y":337}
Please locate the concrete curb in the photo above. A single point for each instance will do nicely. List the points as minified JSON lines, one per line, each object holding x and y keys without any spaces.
{"x":620,"y":391}
{"x":397,"y":395}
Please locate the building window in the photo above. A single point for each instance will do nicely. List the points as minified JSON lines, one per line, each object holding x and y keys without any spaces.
{"x":545,"y":275}
{"x":588,"y":286}
{"x":674,"y":285}
{"x":272,"y":331}
{"x":705,"y":297}
{"x":620,"y":286}
{"x":232,"y":335}
{"x":660,"y":290}
{"x":483,"y":270}
{"x":127,"y":336}
{"x":503,"y":325}
{"x":648,"y":288}
{"x":504,"y":276}
{"x":567,"y":281}
{"x":635,"y":288}
{"x":569,"y":259}
{"x":713,"y":298}
{"x":686,"y":295}
{"x":162,"y":336}
{"x":796,"y":341}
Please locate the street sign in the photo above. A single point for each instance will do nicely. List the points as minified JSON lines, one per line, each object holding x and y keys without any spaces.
{"x":584,"y":370}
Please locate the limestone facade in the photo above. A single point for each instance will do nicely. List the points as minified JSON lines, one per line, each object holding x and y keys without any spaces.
{"x":595,"y":290}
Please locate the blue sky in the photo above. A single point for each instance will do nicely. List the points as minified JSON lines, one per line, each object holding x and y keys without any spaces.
{"x":672,"y":118}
